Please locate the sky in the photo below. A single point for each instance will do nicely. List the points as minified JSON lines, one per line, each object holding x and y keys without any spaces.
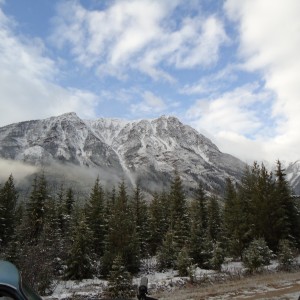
{"x":230,"y":69}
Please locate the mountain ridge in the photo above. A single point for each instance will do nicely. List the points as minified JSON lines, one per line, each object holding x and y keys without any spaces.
{"x":144,"y":152}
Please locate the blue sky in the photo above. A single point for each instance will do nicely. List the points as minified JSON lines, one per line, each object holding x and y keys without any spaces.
{"x":230,"y":69}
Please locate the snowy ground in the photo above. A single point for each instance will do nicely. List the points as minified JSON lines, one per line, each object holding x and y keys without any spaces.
{"x":228,"y":284}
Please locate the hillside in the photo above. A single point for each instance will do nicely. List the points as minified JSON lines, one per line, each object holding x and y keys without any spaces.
{"x":144,"y":152}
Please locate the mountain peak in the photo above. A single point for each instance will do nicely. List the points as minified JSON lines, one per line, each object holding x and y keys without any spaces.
{"x":143,"y":151}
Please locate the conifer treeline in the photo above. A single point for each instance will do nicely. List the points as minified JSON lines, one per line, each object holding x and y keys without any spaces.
{"x":51,"y":236}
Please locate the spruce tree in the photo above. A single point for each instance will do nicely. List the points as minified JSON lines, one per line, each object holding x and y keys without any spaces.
{"x":141,"y":215}
{"x":167,"y":253}
{"x":80,"y":262}
{"x":233,"y":221}
{"x":95,"y":213}
{"x":179,"y":213}
{"x":286,"y":255}
{"x":52,"y":240}
{"x":121,"y":237}
{"x":198,"y":226}
{"x":257,"y":255}
{"x":183,"y":262}
{"x":8,"y":201}
{"x":214,"y":225}
{"x":119,"y":281}
{"x":36,"y":208}
{"x":217,"y":257}
{"x":287,"y":214}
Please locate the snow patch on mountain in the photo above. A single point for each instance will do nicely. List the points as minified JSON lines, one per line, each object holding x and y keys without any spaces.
{"x":142,"y":151}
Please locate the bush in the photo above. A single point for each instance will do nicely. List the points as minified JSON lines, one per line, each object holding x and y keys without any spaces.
{"x":257,"y":255}
{"x":166,"y":257}
{"x":120,"y":281}
{"x":183,"y":262}
{"x":286,"y":255}
{"x":217,"y":257}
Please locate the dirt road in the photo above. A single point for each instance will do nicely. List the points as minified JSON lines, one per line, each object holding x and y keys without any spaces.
{"x":282,"y":286}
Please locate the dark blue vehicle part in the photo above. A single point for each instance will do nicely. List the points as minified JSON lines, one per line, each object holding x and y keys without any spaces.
{"x":11,"y":284}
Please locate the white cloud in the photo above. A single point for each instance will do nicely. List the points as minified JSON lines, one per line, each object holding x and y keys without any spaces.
{"x":270,"y":43}
{"x":150,"y":104}
{"x":237,"y":121}
{"x":27,"y":81}
{"x":212,"y":83}
{"x":233,"y":112}
{"x":18,"y":169}
{"x":138,"y":35}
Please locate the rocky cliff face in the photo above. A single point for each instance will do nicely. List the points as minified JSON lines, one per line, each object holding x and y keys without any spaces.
{"x":293,"y":176}
{"x":144,"y":151}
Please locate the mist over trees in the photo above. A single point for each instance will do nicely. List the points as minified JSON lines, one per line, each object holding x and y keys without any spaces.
{"x":51,"y":235}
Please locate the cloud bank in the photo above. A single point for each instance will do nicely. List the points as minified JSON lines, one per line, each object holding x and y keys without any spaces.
{"x":138,"y":35}
{"x":262,"y":116}
{"x":28,"y":85}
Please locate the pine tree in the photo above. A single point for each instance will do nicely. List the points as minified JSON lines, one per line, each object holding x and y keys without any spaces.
{"x":52,"y":240}
{"x":257,"y":255}
{"x":234,"y":221}
{"x":8,"y":201}
{"x":286,"y":255}
{"x":140,"y":212}
{"x":119,"y":281}
{"x":157,"y":223}
{"x":214,"y":225}
{"x":198,"y":226}
{"x":179,"y":213}
{"x":36,"y":208}
{"x":121,"y":237}
{"x":261,"y":203}
{"x":167,"y":253}
{"x":69,"y":202}
{"x":287,"y":215}
{"x":254,"y":194}
{"x":217,"y":257}
{"x":183,"y":262}
{"x":80,"y":262}
{"x":95,"y":217}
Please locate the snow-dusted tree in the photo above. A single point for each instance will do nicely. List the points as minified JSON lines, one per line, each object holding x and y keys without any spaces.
{"x":119,"y":281}
{"x":287,"y":214}
{"x":52,"y":241}
{"x":35,"y":213}
{"x":183,"y":262}
{"x":214,"y":222}
{"x":198,"y":226}
{"x":234,"y":221}
{"x":286,"y":255}
{"x":121,"y":237}
{"x":159,"y":219}
{"x":166,"y":257}
{"x":95,"y":217}
{"x":179,"y":213}
{"x":8,"y":201}
{"x":141,"y":216}
{"x":257,"y":255}
{"x":218,"y":257}
{"x":80,"y":262}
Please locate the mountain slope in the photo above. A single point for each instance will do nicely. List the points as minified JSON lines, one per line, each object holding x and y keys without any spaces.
{"x":144,"y":151}
{"x":293,"y":176}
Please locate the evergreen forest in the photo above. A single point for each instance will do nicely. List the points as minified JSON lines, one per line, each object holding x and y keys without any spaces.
{"x":53,"y":235}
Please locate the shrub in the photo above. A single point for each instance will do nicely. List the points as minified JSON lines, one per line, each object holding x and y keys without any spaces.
{"x":217,"y":257}
{"x":286,"y":255}
{"x":257,"y":255}
{"x":120,"y":281}
{"x":183,"y":262}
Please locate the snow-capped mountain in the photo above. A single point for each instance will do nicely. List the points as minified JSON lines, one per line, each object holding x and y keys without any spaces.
{"x":144,"y":151}
{"x":293,"y":176}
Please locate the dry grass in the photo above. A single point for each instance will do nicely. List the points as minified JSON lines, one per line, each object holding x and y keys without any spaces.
{"x":261,"y":286}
